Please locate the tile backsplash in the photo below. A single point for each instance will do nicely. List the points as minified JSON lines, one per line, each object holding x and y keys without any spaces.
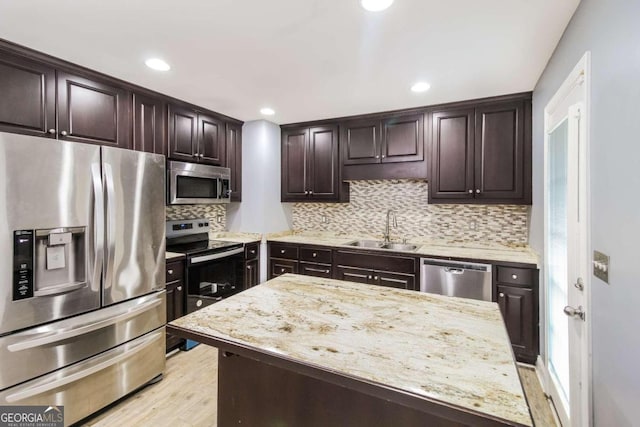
{"x":370,"y":200}
{"x":211,"y":212}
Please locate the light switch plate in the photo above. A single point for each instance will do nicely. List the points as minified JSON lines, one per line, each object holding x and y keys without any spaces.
{"x":601,"y":266}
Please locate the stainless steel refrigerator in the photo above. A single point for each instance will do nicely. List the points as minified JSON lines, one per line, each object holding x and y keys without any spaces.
{"x":82,"y":260}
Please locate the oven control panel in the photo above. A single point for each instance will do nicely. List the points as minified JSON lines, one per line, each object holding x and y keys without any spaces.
{"x":183,"y":227}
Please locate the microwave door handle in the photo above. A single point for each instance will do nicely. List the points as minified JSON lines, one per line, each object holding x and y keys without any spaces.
{"x":98,"y":225}
{"x":111,"y":224}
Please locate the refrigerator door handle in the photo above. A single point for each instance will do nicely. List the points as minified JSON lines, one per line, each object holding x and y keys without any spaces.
{"x":60,"y":289}
{"x":111,"y":225}
{"x":98,"y":231}
{"x":39,"y":389}
{"x":52,"y":338}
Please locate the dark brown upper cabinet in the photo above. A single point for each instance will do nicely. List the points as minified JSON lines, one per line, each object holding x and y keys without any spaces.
{"x":482,"y":154}
{"x":452,"y":155}
{"x":234,"y":160}
{"x":310,"y":164}
{"x":27,"y":100}
{"x":93,"y":112}
{"x":149,"y":124}
{"x":196,"y":137}
{"x":211,"y":140}
{"x":397,"y":138}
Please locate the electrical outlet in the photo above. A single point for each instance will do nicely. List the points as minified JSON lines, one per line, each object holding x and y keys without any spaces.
{"x":601,"y":266}
{"x":323,"y":219}
{"x":473,"y":225}
{"x":219,"y":219}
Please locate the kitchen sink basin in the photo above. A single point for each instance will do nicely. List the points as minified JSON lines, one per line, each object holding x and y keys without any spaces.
{"x":377,"y":244}
{"x":399,"y":247}
{"x":367,"y":243}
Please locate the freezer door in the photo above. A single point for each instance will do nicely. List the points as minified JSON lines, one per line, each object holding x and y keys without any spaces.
{"x":134,"y":185}
{"x":37,"y":351}
{"x":92,"y":384}
{"x":49,"y":185}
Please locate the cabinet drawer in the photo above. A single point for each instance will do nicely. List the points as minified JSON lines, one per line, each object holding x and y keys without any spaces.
{"x":317,"y":270}
{"x":283,"y":251}
{"x":322,"y":256}
{"x":517,"y":276}
{"x":175,"y":271}
{"x":278,"y":267}
{"x":251,"y":251}
{"x":396,"y":264}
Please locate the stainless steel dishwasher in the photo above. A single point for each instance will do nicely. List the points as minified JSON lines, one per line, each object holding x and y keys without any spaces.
{"x":456,"y":279}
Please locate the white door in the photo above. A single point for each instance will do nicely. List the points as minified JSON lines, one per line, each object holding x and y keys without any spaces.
{"x":566,"y":264}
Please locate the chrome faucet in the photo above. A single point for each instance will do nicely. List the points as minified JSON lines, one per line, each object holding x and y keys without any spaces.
{"x":386,"y":235}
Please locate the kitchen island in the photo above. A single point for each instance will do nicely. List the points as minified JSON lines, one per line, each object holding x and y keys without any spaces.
{"x":301,"y":350}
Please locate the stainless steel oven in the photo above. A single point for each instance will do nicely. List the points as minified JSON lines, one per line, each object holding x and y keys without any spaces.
{"x":190,"y":183}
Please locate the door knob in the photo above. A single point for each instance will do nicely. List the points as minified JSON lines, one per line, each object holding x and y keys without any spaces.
{"x":478,"y":191}
{"x":574,"y":312}
{"x":470,"y":191}
{"x":248,"y":267}
{"x":170,"y":271}
{"x":63,"y":133}
{"x":52,"y":131}
{"x":179,"y":288}
{"x":195,"y":155}
{"x":201,"y":156}
{"x":579,"y":284}
{"x":501,"y":294}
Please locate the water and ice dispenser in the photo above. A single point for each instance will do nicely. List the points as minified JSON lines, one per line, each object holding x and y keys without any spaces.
{"x":48,"y":261}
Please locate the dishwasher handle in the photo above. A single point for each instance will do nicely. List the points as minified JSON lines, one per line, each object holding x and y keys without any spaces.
{"x":451,"y":270}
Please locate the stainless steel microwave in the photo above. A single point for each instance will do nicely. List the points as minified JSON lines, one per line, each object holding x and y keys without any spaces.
{"x":191,"y":183}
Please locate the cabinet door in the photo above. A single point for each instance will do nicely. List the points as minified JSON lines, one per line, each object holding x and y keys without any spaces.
{"x":517,"y":307}
{"x":294,"y":164}
{"x":183,"y":134}
{"x":394,"y":280}
{"x":278,"y":267}
{"x":149,"y":123}
{"x":28,"y":101}
{"x":451,"y":174}
{"x":361,"y":142}
{"x":251,"y":273}
{"x":499,"y":152}
{"x":323,"y":173}
{"x":93,"y":112}
{"x":211,"y":140}
{"x":403,"y":138}
{"x":352,"y":274}
{"x":234,"y":160}
{"x":316,"y":270}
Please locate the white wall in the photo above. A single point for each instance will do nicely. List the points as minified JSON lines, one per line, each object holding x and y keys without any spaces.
{"x":260,"y":210}
{"x":611,"y":31}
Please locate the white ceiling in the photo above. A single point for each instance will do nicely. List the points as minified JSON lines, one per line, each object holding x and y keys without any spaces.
{"x":307,"y":59}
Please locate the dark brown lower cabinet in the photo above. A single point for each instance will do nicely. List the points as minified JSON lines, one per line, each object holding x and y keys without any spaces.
{"x":175,"y":298}
{"x":375,"y":277}
{"x":278,"y":267}
{"x":252,"y":273}
{"x":516,"y":291}
{"x":317,"y":270}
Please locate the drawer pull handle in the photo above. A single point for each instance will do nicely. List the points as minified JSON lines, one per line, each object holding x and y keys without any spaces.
{"x":315,"y":254}
{"x":282,"y":251}
{"x":501,"y":295}
{"x":169,"y":271}
{"x":514,"y":276}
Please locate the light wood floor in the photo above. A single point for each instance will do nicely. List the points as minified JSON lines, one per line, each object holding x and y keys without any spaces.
{"x":187,"y":396}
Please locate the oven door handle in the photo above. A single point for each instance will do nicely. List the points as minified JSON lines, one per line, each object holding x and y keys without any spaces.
{"x":205,"y":258}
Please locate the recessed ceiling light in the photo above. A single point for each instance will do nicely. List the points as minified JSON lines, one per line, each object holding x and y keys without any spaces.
{"x":267,"y":111}
{"x":157,"y":64}
{"x":420,"y":87}
{"x":376,"y":5}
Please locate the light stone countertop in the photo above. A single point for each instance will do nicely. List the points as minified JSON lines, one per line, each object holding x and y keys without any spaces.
{"x":426,"y":247}
{"x":235,"y":237}
{"x":173,"y":255}
{"x":450,"y":349}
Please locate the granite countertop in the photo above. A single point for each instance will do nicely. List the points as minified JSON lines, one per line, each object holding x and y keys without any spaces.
{"x":173,"y":255}
{"x":228,"y":236}
{"x":426,"y":247}
{"x":449,"y":349}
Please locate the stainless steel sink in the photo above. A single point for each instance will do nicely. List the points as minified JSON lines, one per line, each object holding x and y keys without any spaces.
{"x":378,"y":244}
{"x":400,"y":247}
{"x":367,"y":243}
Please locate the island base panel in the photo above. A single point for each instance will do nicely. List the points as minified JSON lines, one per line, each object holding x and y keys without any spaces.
{"x":252,"y":393}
